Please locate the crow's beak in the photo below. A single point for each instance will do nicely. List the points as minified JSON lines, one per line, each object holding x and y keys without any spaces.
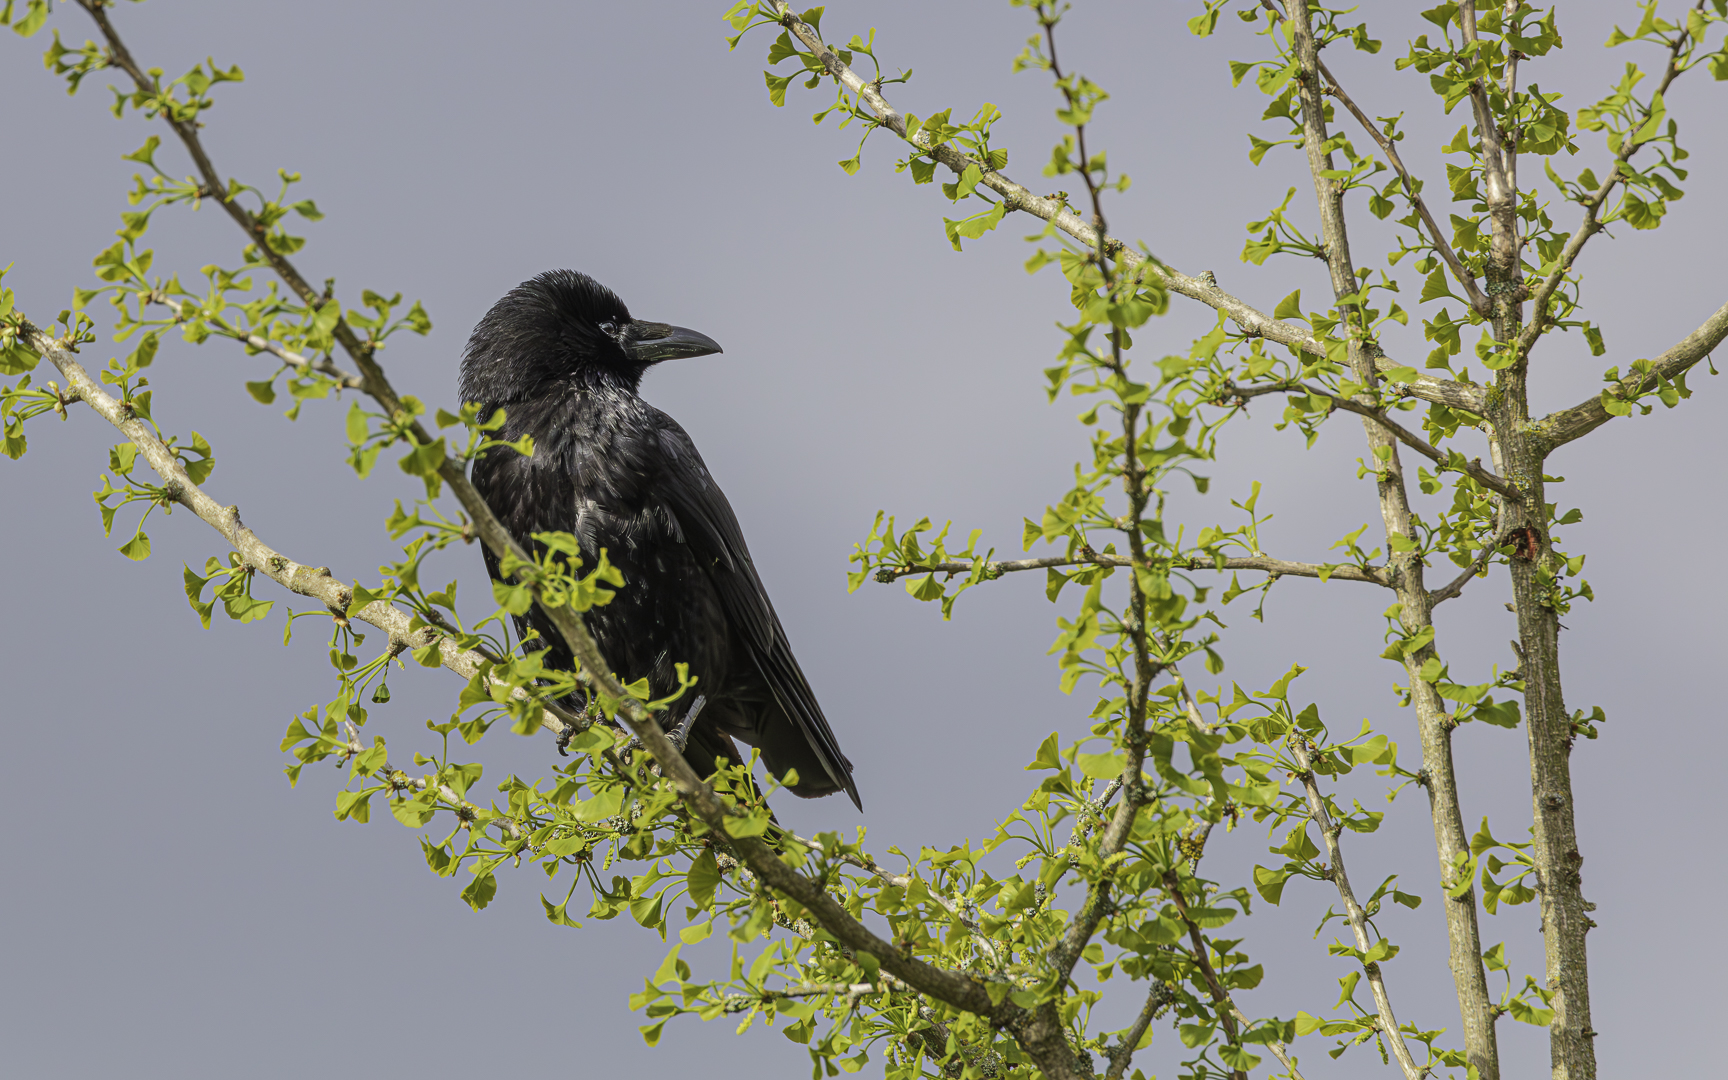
{"x":650,"y":343}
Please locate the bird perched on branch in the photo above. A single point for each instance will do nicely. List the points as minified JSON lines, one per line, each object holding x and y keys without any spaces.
{"x":562,"y":356}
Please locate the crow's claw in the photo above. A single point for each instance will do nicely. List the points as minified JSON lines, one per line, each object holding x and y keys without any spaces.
{"x":680,"y":735}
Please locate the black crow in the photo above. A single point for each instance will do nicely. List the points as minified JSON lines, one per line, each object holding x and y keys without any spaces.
{"x":562,"y":356}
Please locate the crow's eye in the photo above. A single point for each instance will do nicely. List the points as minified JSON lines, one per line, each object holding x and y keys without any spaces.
{"x":609,"y":327}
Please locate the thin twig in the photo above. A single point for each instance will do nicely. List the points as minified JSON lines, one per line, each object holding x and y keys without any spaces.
{"x":1456,"y":585}
{"x":901,"y":881}
{"x":347,"y":380}
{"x":1226,"y":1014}
{"x":1158,"y":998}
{"x":1357,"y":918}
{"x":1473,"y":469}
{"x":1069,"y":948}
{"x":1413,"y":188}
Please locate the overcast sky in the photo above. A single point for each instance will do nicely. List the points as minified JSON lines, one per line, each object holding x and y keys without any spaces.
{"x":172,"y":908}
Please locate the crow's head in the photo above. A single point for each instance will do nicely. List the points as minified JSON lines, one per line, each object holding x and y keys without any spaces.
{"x":564,"y":324}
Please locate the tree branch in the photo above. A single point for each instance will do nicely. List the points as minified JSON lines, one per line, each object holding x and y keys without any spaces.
{"x":315,"y":582}
{"x":1473,"y":469}
{"x":737,"y":1003}
{"x":347,"y":380}
{"x":1473,"y":293}
{"x":1067,"y":951}
{"x":1590,"y":225}
{"x":1158,"y":998}
{"x":1559,"y":428}
{"x":1275,"y":567}
{"x":1253,"y":322}
{"x":1502,"y":195}
{"x":1456,"y":585}
{"x":1043,"y":1039}
{"x":389,"y":775}
{"x":1353,"y":911}
{"x":1226,"y":1013}
{"x":900,"y":881}
{"x":1464,"y":940}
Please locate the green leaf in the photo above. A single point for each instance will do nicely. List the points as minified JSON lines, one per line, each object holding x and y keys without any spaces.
{"x":480,"y":891}
{"x":195,"y":596}
{"x":34,"y":16}
{"x":1270,"y":883}
{"x":1504,"y":714}
{"x":1102,"y":766}
{"x":411,"y":812}
{"x":777,"y":85}
{"x":703,"y":880}
{"x":138,"y":548}
{"x":603,"y":805}
{"x":357,"y":426}
{"x":417,"y":319}
{"x":973,"y":227}
{"x":749,"y":825}
{"x":354,"y":805}
{"x":1049,"y":755}
{"x":1435,"y":287}
{"x":965,"y":185}
{"x":1290,"y":307}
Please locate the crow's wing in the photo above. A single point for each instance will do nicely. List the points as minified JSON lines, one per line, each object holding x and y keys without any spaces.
{"x":711,"y":528}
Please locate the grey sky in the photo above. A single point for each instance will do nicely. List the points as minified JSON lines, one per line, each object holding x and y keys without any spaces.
{"x":172,"y":908}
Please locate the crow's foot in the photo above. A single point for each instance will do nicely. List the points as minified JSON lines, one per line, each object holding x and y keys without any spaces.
{"x":680,"y":735}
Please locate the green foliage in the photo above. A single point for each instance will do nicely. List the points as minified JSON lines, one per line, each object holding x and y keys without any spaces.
{"x":1109,"y":839}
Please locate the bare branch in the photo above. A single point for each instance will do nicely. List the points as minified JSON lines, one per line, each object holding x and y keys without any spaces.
{"x":1412,"y":187}
{"x":1358,"y":918}
{"x":1559,"y":428}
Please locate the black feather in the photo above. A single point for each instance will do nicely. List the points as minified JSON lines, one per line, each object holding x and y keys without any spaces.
{"x":562,"y":356}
